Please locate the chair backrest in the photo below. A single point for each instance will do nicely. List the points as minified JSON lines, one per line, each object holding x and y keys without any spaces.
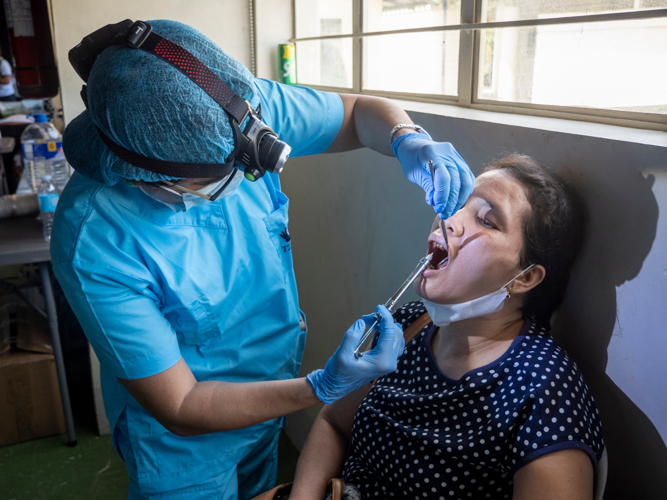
{"x":601,"y":475}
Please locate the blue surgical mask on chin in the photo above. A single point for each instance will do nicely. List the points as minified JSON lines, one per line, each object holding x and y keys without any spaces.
{"x":445,"y":314}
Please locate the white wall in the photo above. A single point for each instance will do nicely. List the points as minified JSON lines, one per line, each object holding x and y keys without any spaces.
{"x":358,"y":228}
{"x":225,"y":22}
{"x":274,"y":25}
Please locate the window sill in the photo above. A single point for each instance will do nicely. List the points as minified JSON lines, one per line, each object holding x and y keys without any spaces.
{"x":573,"y":127}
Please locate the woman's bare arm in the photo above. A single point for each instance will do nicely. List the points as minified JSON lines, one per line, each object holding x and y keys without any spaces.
{"x":326,"y":448}
{"x":562,"y":475}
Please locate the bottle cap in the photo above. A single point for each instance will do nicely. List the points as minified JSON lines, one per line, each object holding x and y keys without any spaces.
{"x":40,"y":118}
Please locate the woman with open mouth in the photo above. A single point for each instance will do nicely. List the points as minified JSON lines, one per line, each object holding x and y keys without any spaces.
{"x":484,"y":403}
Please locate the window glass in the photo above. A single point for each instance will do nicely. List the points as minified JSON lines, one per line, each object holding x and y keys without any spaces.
{"x":323,"y":17}
{"x":618,"y":65}
{"x":385,"y":15}
{"x":513,"y":10}
{"x":325,"y":62}
{"x":421,"y":63}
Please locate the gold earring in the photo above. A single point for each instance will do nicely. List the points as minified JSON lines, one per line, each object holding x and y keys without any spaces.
{"x":508,"y":294}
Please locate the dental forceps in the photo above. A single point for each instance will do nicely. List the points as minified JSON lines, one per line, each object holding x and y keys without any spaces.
{"x":442,"y":222}
{"x":391,"y":303}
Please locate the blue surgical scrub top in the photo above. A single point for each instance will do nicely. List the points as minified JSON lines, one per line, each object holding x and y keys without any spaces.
{"x":214,"y":284}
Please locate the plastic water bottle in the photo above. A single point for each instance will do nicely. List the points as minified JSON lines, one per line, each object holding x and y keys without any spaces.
{"x":42,"y":147}
{"x":48,"y":199}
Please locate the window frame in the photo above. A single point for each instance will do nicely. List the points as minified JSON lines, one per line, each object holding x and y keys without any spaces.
{"x":470,"y":32}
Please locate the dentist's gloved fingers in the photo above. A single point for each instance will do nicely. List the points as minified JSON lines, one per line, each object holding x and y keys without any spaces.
{"x":429,"y":188}
{"x":454,"y":191}
{"x":447,"y":195}
{"x":399,"y":342}
{"x":394,"y":343}
{"x":408,"y":149}
{"x":390,"y":344}
{"x":352,"y":336}
{"x":446,"y":182}
{"x":344,"y":373}
{"x":414,"y":152}
{"x":467,"y":186}
{"x":369,"y":319}
{"x":386,"y":321}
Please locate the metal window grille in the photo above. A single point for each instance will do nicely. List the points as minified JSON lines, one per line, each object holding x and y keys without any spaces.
{"x":469,"y":29}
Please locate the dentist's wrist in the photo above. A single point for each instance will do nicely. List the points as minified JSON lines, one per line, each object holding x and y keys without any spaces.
{"x":405,"y":128}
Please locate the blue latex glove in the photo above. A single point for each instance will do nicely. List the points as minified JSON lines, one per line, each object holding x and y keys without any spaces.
{"x":344,"y":373}
{"x":453,"y":179}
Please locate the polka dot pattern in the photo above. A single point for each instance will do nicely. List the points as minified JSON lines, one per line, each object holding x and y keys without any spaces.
{"x":420,"y":434}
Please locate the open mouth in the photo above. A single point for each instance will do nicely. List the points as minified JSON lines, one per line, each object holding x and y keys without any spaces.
{"x":440,"y":255}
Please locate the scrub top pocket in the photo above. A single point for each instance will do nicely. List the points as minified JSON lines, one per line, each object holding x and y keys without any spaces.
{"x":276,"y":225}
{"x":193,"y":325}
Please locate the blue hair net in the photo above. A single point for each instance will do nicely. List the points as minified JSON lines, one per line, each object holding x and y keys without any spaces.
{"x":146,"y":105}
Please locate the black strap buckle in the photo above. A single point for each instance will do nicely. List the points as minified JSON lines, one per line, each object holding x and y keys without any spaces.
{"x":137,"y":34}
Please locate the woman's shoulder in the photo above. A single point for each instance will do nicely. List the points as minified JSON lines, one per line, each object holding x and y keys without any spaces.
{"x":538,"y":345}
{"x":408,"y":313}
{"x":558,"y":409}
{"x":540,"y":359}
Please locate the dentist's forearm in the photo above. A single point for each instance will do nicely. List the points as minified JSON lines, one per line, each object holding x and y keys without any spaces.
{"x":187,"y":407}
{"x":374,"y":118}
{"x":367,"y":122}
{"x":220,"y":406}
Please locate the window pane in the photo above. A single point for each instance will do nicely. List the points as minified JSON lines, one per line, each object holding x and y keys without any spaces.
{"x":612,"y":65}
{"x":323,"y":17}
{"x":385,"y":15}
{"x":325,"y":62}
{"x":512,"y":10}
{"x":421,"y":63}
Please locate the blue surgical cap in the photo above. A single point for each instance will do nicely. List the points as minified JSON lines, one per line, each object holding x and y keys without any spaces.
{"x":147,"y":106}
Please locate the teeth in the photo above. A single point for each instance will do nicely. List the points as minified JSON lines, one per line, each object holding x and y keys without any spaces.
{"x":438,"y":245}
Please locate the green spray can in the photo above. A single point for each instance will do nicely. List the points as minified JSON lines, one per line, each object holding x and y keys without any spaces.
{"x":286,"y":63}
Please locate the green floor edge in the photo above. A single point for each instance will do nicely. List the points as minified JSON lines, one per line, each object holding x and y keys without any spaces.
{"x":48,"y":469}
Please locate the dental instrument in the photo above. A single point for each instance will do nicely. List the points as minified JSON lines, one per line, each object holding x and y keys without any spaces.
{"x":391,"y":303}
{"x":442,"y":223}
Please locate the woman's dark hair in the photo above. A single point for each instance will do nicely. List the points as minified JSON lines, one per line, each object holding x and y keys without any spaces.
{"x":552,"y":231}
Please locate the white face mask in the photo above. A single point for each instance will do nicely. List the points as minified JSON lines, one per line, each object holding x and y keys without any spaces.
{"x":444,"y":314}
{"x":192,"y":200}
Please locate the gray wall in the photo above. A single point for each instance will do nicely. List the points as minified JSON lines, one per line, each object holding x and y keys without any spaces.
{"x":359,"y":228}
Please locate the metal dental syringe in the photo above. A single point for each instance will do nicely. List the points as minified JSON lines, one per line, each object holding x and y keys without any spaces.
{"x":442,"y":222}
{"x":391,"y":303}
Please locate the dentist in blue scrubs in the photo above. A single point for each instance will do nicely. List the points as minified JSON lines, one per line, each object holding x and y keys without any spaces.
{"x":191,"y":305}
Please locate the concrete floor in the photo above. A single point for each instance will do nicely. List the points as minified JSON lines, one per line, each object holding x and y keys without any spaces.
{"x":47,"y":469}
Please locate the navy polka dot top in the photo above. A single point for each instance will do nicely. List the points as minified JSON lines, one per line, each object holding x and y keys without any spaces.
{"x":419,"y":434}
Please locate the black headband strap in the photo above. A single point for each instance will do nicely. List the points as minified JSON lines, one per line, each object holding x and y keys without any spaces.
{"x":171,"y":168}
{"x":198,"y":72}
